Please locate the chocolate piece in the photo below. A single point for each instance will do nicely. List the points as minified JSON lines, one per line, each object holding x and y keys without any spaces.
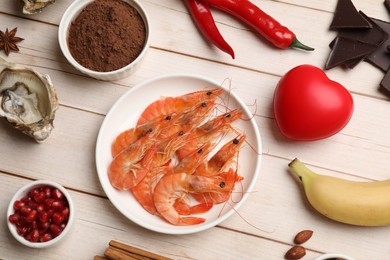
{"x":348,"y":51}
{"x":385,"y":83}
{"x":381,"y":57}
{"x":352,"y":63}
{"x":346,"y":16}
{"x":387,"y":4}
{"x":374,"y":36}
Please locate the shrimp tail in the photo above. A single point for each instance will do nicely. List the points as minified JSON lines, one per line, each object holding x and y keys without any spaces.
{"x":184,"y":208}
{"x":143,"y":191}
{"x":186,"y":221}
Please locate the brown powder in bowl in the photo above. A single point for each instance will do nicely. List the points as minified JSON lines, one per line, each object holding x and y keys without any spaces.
{"x":107,"y":35}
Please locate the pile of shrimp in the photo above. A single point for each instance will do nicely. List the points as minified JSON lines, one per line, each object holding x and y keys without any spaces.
{"x":166,"y":158}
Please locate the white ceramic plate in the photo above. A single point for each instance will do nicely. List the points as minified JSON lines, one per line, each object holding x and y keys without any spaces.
{"x":125,"y":113}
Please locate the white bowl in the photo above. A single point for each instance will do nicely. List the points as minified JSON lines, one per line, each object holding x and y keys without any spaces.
{"x":124,"y":115}
{"x":333,"y":256}
{"x":71,"y":13}
{"x":22,"y":192}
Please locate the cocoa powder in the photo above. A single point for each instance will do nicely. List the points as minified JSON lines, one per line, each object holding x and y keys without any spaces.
{"x":107,"y":35}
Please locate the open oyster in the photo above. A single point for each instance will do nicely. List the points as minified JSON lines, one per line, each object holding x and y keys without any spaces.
{"x":28,"y":100}
{"x":35,"y":6}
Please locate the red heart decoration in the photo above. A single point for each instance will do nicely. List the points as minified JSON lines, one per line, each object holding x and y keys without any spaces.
{"x":309,"y":106}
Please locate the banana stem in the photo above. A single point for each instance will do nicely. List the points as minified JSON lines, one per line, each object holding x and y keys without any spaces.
{"x":300,"y":169}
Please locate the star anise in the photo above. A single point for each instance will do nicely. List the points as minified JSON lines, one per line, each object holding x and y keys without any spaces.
{"x":8,"y":40}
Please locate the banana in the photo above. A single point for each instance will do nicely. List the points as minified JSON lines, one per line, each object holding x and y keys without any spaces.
{"x":351,"y":202}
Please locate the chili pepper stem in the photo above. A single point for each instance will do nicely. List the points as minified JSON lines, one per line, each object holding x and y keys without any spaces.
{"x":297,"y":44}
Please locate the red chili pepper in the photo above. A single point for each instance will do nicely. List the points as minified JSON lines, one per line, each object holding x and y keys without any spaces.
{"x":267,"y":26}
{"x":203,"y":18}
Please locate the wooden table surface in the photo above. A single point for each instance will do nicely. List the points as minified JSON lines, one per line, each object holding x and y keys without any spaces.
{"x":277,"y":208}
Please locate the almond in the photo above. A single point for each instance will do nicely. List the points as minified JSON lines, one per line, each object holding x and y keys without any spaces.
{"x":303,"y":236}
{"x":296,"y":252}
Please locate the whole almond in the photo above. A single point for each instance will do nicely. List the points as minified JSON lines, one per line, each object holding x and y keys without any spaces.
{"x":296,"y":252}
{"x":303,"y":236}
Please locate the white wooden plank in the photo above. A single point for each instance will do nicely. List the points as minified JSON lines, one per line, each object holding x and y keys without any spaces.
{"x":252,"y":52}
{"x":97,"y":222}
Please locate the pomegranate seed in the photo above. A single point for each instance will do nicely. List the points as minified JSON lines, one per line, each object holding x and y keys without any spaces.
{"x":40,"y":207}
{"x":49,"y":202}
{"x":57,"y":194}
{"x":25,"y":210}
{"x":65,"y":213}
{"x":44,"y":216}
{"x":21,"y":230}
{"x":22,"y":222}
{"x":55,"y":230}
{"x":34,"y":225}
{"x":26,"y":200}
{"x":18,"y":204}
{"x":33,"y":192}
{"x":32,"y":204}
{"x":43,"y":226}
{"x":57,"y":218}
{"x":45,"y":237}
{"x":34,"y":235}
{"x":32,"y":216}
{"x":50,"y":213}
{"x":62,"y":226}
{"x":40,"y":197}
{"x":14,"y":218}
{"x":47,"y":191}
{"x":57,"y":205}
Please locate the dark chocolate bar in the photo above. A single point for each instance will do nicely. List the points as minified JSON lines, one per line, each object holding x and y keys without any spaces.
{"x":348,"y":51}
{"x":375,"y":36}
{"x":380,"y":58}
{"x":385,"y":83}
{"x":346,"y":16}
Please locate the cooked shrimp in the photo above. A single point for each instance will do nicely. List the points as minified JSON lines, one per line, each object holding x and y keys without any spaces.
{"x":189,"y":119}
{"x":223,"y":158}
{"x":172,"y":187}
{"x":220,"y":161}
{"x":169,"y":105}
{"x":131,"y":165}
{"x":153,"y":127}
{"x":143,"y":191}
{"x":160,"y":160}
{"x":219,"y":125}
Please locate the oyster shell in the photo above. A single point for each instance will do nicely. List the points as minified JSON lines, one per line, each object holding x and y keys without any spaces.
{"x":28,"y":100}
{"x":35,"y":6}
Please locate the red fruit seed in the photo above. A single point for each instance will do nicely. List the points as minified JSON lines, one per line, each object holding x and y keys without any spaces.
{"x":14,"y":218}
{"x":18,"y":204}
{"x":45,"y":237}
{"x":57,"y":194}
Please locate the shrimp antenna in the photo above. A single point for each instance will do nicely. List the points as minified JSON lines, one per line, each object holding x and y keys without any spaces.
{"x":246,"y":221}
{"x":229,"y":90}
{"x":252,"y":148}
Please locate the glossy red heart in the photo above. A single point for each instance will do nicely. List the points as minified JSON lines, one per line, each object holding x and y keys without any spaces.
{"x":309,"y":106}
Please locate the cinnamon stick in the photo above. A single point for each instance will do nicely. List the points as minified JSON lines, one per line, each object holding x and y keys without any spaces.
{"x":118,"y":254}
{"x":137,"y":251}
{"x":99,"y":257}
